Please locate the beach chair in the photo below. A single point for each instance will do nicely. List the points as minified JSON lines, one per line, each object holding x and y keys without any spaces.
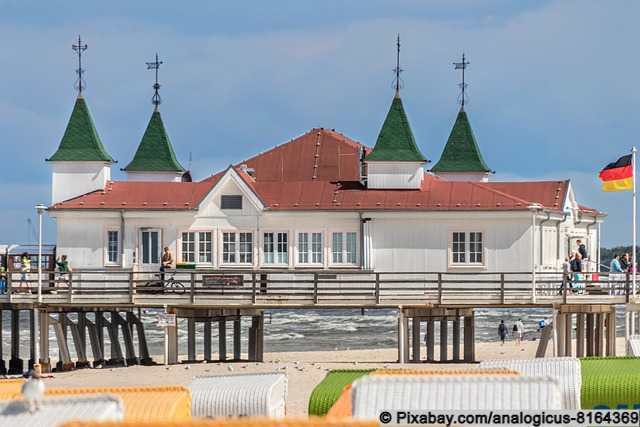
{"x":610,"y":382}
{"x":154,"y":403}
{"x":342,"y":408}
{"x":240,"y":422}
{"x":371,"y":394}
{"x":11,"y":388}
{"x":566,"y":369}
{"x":240,"y":395}
{"x":634,"y":345}
{"x":328,"y":391}
{"x":53,"y":411}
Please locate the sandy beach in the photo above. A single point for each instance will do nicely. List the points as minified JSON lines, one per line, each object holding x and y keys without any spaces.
{"x":305,"y":369}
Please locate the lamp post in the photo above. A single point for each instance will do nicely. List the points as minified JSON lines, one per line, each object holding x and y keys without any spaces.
{"x":36,"y":324}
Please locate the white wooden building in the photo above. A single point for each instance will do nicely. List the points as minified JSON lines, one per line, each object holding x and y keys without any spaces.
{"x":321,"y":201}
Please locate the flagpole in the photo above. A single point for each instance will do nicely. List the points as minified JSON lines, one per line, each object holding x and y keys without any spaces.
{"x":633,"y":168}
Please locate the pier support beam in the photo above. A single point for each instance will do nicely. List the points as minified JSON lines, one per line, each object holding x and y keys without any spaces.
{"x":415,"y":340}
{"x":462,"y":332}
{"x":237,"y":339}
{"x":16,"y":365}
{"x":207,"y":340}
{"x":595,"y":329}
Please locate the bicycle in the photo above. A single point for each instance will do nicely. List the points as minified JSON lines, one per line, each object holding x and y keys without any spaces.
{"x":158,"y":286}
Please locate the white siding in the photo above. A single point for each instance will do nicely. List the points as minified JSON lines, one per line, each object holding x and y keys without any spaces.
{"x":390,"y":175}
{"x":463,"y":176}
{"x":72,"y":179}
{"x":155,"y":176}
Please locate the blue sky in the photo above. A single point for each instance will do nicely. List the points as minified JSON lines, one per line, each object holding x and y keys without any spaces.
{"x":551,"y":84}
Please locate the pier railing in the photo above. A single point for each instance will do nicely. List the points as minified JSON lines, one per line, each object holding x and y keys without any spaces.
{"x":348,"y":288}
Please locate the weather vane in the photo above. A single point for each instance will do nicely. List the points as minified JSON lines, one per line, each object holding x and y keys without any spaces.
{"x":463,"y":98}
{"x":155,"y":100}
{"x":398,"y":84}
{"x":80,"y":85}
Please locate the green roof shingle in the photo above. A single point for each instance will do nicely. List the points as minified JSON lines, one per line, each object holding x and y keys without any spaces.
{"x":80,"y":141}
{"x":396,"y":141}
{"x":461,"y":152}
{"x":155,"y":152}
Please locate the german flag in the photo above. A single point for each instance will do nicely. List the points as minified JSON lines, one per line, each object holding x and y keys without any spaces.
{"x":618,"y":176}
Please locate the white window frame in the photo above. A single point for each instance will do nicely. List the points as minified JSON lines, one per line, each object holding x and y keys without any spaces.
{"x":237,"y":253}
{"x":339,"y":255}
{"x":280,"y":250}
{"x":107,"y":247}
{"x":198,"y":251}
{"x":469,"y":234}
{"x":308,"y":251}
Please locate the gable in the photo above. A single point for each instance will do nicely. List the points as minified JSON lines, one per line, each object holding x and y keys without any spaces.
{"x":241,"y":199}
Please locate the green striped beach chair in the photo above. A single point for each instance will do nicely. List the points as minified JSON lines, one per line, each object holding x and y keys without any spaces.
{"x":329,"y":390}
{"x":610,"y":382}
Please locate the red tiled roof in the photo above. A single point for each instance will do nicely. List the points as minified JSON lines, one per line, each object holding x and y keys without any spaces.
{"x":283,"y":178}
{"x":141,"y":195}
{"x":435,"y":194}
{"x":320,"y":153}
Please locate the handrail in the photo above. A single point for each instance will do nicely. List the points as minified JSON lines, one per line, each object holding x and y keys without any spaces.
{"x":322,"y":287}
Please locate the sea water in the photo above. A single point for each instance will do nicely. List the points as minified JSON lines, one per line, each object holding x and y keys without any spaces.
{"x":302,"y":330}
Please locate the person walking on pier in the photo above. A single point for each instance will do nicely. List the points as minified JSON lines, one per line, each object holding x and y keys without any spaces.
{"x":624,"y":263}
{"x":502,"y":331}
{"x":25,"y":265}
{"x":582,"y":250}
{"x":64,"y":272}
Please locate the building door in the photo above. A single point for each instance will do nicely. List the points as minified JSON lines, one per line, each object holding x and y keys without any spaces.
{"x":150,"y":248}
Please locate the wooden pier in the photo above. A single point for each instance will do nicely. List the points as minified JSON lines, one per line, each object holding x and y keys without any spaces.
{"x":100,"y":301}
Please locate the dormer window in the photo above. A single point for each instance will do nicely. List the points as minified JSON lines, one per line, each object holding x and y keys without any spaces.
{"x":231,"y":202}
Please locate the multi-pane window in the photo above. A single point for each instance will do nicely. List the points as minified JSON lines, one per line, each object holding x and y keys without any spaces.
{"x":344,"y":248}
{"x":188,"y":247}
{"x":245,"y":248}
{"x":276,"y":247}
{"x":113,"y":247}
{"x":237,"y":247}
{"x":310,"y":248}
{"x":467,"y":247}
{"x":196,"y":247}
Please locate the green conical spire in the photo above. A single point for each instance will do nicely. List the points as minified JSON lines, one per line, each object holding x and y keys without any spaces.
{"x":461,"y":153}
{"x":396,"y":142}
{"x":155,"y":152}
{"x":80,"y":141}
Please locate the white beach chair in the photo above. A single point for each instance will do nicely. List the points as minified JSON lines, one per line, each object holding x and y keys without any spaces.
{"x":54,"y":411}
{"x":236,"y":395}
{"x":372,"y":394}
{"x":634,"y":345}
{"x":566,"y":369}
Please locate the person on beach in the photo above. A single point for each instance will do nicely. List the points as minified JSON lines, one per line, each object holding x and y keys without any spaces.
{"x":518,"y":331}
{"x":542,"y":324}
{"x":64,"y":272}
{"x":25,"y":266}
{"x":502,"y":332}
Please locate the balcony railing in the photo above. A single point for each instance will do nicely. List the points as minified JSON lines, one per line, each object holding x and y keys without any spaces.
{"x":350,"y":288}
